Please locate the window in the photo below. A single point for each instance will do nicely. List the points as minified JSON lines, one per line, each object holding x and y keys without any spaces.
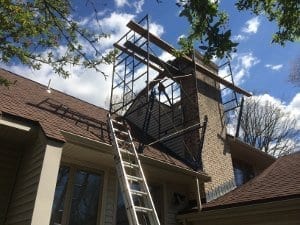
{"x":242,"y":172}
{"x":156,"y":193}
{"x":77,"y":197}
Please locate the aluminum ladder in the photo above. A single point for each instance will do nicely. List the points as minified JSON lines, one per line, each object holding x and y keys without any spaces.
{"x":137,"y":198}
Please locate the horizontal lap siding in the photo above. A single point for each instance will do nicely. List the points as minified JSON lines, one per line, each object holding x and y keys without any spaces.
{"x":137,"y":117}
{"x":23,"y":198}
{"x":173,"y":207}
{"x":9,"y":158}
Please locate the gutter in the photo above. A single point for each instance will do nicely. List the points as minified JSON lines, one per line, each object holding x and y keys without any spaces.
{"x":246,"y":211}
{"x":108,"y":149}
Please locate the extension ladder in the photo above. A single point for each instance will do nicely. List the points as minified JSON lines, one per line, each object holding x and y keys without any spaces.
{"x":137,"y":198}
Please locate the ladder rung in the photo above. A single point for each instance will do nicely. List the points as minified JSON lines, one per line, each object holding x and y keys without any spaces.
{"x":134,"y":178}
{"x":143,"y":209}
{"x":123,"y":141}
{"x":130,"y":165}
{"x":120,"y":131}
{"x":139,"y":193}
{"x":117,"y":122}
{"x":126,"y":151}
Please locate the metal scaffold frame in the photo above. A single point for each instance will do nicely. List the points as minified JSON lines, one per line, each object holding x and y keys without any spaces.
{"x":232,"y":101}
{"x":145,"y":83}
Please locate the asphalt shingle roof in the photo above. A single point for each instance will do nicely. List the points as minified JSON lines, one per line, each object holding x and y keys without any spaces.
{"x":281,"y":180}
{"x":57,"y":111}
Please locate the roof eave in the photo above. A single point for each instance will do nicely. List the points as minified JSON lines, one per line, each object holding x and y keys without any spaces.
{"x":107,"y":149}
{"x":239,"y":211}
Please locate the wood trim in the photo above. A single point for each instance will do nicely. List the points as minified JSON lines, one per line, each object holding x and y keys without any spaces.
{"x":104,"y":199}
{"x":70,"y":190}
{"x":47,"y":184}
{"x":15,"y":124}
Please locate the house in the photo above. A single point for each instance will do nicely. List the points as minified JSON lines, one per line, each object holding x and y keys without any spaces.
{"x":57,"y":161}
{"x":53,"y":144}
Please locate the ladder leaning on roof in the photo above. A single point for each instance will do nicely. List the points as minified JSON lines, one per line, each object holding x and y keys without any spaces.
{"x":138,"y":202}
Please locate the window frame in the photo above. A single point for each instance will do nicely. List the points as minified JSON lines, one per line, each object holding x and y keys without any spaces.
{"x":246,"y":169}
{"x":70,"y":190}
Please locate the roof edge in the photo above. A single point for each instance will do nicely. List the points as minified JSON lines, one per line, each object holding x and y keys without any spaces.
{"x":239,"y":141}
{"x":94,"y":144}
{"x":257,"y":201}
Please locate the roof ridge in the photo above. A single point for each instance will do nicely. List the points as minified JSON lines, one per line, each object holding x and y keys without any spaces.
{"x":61,"y":92}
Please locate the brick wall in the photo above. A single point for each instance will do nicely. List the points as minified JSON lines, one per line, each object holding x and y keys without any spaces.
{"x":215,"y":158}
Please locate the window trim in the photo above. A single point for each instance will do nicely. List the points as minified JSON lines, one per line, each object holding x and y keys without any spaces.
{"x":70,"y":189}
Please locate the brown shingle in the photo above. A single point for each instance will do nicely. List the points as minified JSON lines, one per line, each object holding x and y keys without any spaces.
{"x":279,"y":181}
{"x":58,"y":111}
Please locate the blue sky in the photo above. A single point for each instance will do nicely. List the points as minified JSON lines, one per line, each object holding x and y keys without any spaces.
{"x":259,"y":66}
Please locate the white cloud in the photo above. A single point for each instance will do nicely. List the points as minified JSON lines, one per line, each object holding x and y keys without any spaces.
{"x":239,"y":37}
{"x":264,"y":98}
{"x":274,"y":67}
{"x":156,"y":29}
{"x":121,"y":3}
{"x":138,"y":5}
{"x":83,"y":83}
{"x":241,"y":65}
{"x":165,"y":56}
{"x":115,"y":25}
{"x":252,"y":25}
{"x":244,"y":63}
{"x":293,"y":107}
{"x":86,"y":84}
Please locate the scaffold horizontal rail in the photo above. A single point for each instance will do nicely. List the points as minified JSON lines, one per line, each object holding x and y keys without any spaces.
{"x":171,"y":50}
{"x":137,"y":57}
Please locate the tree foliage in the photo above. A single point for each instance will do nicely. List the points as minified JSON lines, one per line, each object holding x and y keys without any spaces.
{"x":36,"y":32}
{"x":209,"y":24}
{"x":269,"y":127}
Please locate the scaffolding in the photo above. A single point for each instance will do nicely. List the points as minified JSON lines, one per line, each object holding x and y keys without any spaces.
{"x":232,"y":101}
{"x":150,"y":93}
